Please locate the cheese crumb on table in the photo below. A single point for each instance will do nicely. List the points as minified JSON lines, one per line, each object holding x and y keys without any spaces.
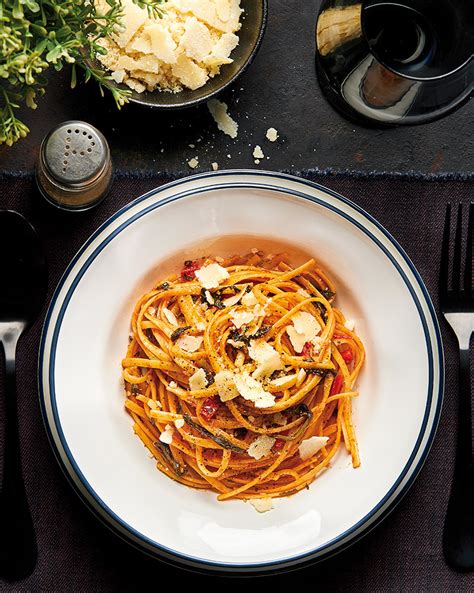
{"x":258,"y":154}
{"x":193,"y":163}
{"x":214,"y":166}
{"x":223,"y":120}
{"x":272,"y":135}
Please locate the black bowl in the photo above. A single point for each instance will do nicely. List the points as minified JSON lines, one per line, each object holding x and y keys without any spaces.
{"x":254,"y":21}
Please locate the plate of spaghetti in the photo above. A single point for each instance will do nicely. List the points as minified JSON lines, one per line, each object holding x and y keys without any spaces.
{"x":236,"y":400}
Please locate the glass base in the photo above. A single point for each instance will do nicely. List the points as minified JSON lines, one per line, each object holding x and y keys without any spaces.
{"x":364,"y":89}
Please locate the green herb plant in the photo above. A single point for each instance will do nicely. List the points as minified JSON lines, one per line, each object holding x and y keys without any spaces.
{"x":36,"y":35}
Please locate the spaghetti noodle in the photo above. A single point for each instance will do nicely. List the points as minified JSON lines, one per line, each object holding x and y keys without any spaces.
{"x":240,"y":375}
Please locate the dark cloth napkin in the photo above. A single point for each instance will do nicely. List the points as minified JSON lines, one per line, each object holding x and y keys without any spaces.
{"x":78,"y":554}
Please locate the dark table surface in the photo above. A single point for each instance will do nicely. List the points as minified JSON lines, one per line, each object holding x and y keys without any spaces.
{"x":279,"y":90}
{"x":78,"y":554}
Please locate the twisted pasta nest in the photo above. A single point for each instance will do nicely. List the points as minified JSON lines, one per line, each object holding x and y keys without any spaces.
{"x":240,"y":375}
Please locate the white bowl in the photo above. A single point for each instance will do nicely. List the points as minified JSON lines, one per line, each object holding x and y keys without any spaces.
{"x":85,"y":336}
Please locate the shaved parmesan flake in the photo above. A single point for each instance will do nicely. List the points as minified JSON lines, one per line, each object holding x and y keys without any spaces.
{"x":236,"y":344}
{"x":300,"y":377}
{"x":261,"y":447}
{"x":266,"y":356}
{"x":307,"y":324}
{"x":189,"y":343}
{"x":280,"y":381}
{"x":252,"y":390}
{"x":262,"y":505}
{"x":223,"y":120}
{"x":189,"y":73}
{"x":209,"y":297}
{"x":132,"y":19}
{"x":311,"y":446}
{"x":249,"y":299}
{"x":196,"y":40}
{"x":305,"y":328}
{"x":167,"y":435}
{"x":179,"y":423}
{"x":240,"y":318}
{"x":233,"y":300}
{"x":260,"y":311}
{"x":170,"y":316}
{"x":225,"y":384}
{"x":297,"y":340}
{"x":152,"y":311}
{"x":350,"y":325}
{"x":172,"y":385}
{"x":162,"y":43}
{"x":198,"y":380}
{"x":279,"y":419}
{"x":200,"y":326}
{"x":317,"y":343}
{"x":211,"y":275}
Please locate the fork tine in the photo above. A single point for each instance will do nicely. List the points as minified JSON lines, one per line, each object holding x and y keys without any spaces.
{"x":444,"y":269}
{"x":456,"y":280}
{"x":469,"y":262}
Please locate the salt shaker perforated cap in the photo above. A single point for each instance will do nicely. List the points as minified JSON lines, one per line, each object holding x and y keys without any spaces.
{"x":74,"y":168}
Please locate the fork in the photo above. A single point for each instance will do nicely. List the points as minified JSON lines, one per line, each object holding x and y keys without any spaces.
{"x":457,"y":306}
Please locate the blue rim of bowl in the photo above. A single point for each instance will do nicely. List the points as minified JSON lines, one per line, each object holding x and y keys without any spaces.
{"x":379,"y":512}
{"x":135,"y":98}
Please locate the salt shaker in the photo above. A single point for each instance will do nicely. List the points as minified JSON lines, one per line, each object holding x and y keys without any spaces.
{"x":74,"y":167}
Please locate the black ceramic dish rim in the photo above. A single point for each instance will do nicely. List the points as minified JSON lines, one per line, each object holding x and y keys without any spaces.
{"x":193,"y":102}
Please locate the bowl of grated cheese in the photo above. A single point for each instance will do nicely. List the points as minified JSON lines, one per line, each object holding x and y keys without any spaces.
{"x":189,"y":53}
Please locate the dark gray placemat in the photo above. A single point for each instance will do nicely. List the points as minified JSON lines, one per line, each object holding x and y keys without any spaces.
{"x":76,"y":553}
